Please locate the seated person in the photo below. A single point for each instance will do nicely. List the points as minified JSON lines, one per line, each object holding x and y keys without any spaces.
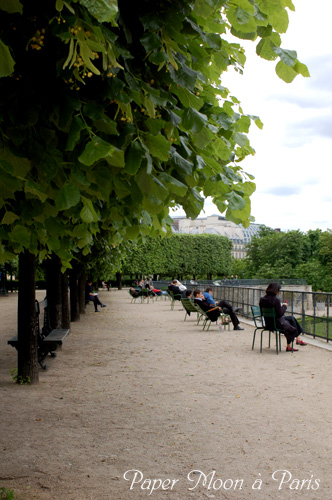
{"x":182,"y":287}
{"x":175,"y":289}
{"x":225,"y":306}
{"x":213,"y":312}
{"x":90,"y":295}
{"x":187,"y":294}
{"x":135,"y":293}
{"x":288,"y":324}
{"x":159,"y":292}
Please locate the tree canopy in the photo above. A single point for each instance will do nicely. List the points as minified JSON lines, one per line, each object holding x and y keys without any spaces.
{"x":293,"y":255}
{"x":113,"y":112}
{"x":181,"y":255}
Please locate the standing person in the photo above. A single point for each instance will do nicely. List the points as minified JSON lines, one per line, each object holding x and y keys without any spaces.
{"x":288,"y":324}
{"x":148,"y":283}
{"x":90,"y":295}
{"x":225,"y":306}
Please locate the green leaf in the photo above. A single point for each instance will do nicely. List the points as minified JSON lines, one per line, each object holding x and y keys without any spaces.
{"x":287,"y":56}
{"x":21,"y":234}
{"x":134,"y":158}
{"x":158,"y":146}
{"x":205,"y":9}
{"x":235,"y":201}
{"x":35,"y":189}
{"x":116,"y":158}
{"x":285,"y":72}
{"x":132,"y":232}
{"x":74,"y":135}
{"x":240,"y":139}
{"x":184,"y":76}
{"x":301,"y":69}
{"x":11,"y":6}
{"x":9,"y":218}
{"x":150,"y":41}
{"x":7,"y":63}
{"x":68,"y":196}
{"x":173,"y":184}
{"x":88,"y":213}
{"x":265,"y":49}
{"x":241,"y":20}
{"x":96,"y":149}
{"x":193,"y":120}
{"x":280,"y":21}
{"x":102,"y":10}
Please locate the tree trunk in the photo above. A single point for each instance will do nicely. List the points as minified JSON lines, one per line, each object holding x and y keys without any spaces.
{"x":65,"y":301}
{"x":81,"y":291}
{"x":119,"y":281}
{"x":74,"y":306}
{"x":27,"y":359}
{"x":54,"y":299}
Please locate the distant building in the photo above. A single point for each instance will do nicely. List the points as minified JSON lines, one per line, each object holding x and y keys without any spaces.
{"x":217,"y":224}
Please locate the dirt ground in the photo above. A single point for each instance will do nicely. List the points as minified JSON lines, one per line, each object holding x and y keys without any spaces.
{"x":140,"y":403}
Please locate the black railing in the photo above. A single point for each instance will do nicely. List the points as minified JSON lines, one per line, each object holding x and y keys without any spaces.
{"x":311,"y":309}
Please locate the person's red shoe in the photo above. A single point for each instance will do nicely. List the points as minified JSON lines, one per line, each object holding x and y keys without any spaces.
{"x":289,"y":349}
{"x":300,"y":342}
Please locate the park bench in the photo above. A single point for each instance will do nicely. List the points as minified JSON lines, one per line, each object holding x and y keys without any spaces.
{"x":48,"y":339}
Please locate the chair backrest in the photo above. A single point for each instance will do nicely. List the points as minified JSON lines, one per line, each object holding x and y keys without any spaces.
{"x":199,"y":309}
{"x":269,"y":314}
{"x":188,"y":305}
{"x":257,"y":316}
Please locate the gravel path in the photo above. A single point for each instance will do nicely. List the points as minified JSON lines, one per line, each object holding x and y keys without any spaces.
{"x":141,"y":404}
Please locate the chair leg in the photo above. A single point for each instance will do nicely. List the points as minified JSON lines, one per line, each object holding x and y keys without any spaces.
{"x":253,"y":340}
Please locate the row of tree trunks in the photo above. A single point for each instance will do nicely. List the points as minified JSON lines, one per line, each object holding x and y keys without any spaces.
{"x":66,"y":301}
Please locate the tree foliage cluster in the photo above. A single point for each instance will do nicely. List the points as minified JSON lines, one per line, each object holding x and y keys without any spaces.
{"x":113,"y":112}
{"x":181,"y":256}
{"x":292,"y":254}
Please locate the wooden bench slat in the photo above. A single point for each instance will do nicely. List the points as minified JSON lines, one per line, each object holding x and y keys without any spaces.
{"x":57,"y":335}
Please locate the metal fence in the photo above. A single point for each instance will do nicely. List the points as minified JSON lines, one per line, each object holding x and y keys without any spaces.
{"x":311,"y":309}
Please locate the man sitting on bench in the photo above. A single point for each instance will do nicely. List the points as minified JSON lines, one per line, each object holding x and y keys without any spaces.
{"x":90,"y":295}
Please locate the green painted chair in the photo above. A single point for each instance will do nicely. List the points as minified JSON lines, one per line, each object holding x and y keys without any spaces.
{"x":133,"y":298}
{"x":174,"y":297}
{"x":207,"y":321}
{"x":269,"y":316}
{"x":258,"y":320}
{"x":189,"y":306}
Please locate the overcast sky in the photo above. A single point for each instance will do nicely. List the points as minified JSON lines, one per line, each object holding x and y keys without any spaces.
{"x":293,"y":161}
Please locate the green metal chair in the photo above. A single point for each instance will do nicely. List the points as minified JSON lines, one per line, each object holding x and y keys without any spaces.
{"x":269,"y":316}
{"x":207,"y":321}
{"x":258,"y":320}
{"x":133,"y":299}
{"x":146,"y":297}
{"x":189,"y":306}
{"x":174,"y":298}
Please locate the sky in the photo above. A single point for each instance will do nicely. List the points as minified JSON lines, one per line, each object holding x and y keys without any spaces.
{"x":293,"y":161}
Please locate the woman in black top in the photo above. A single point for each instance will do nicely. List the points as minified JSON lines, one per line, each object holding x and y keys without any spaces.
{"x":288,"y":324}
